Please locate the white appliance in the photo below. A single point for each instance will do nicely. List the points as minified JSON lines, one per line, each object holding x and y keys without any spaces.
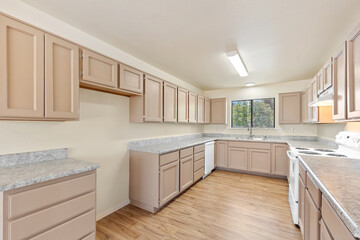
{"x":209,"y":157}
{"x":348,"y":147}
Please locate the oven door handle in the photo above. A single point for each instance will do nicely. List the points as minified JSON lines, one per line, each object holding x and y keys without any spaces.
{"x":290,"y":154}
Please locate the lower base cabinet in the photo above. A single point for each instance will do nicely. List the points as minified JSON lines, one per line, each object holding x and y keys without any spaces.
{"x":311,"y":219}
{"x":237,"y":158}
{"x":259,"y":160}
{"x":186,"y":172}
{"x":324,"y":232}
{"x":302,"y":191}
{"x":169,"y":182}
{"x":221,"y":150}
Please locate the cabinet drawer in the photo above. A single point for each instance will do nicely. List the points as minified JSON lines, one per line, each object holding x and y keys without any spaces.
{"x":314,"y":191}
{"x":46,"y":219}
{"x":169,"y":157}
{"x":335,"y":225}
{"x":199,"y":156}
{"x":29,"y":201}
{"x":199,"y":174}
{"x":254,"y":145}
{"x":199,"y":164}
{"x":199,"y":148}
{"x":82,"y":227}
{"x":302,"y":173}
{"x":186,"y":152}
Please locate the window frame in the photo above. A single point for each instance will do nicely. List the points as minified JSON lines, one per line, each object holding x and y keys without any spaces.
{"x":251,"y":115}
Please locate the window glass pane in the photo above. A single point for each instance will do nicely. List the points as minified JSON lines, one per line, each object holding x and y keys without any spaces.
{"x":263,"y":113}
{"x":241,"y":113}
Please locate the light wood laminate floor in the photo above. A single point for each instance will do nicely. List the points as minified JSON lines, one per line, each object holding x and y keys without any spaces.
{"x":225,"y":205}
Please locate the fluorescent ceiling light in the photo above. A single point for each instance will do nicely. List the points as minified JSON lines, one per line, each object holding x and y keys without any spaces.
{"x":250,"y":84}
{"x":234,"y":58}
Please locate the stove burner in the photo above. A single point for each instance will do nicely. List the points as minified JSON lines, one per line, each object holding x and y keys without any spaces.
{"x":324,"y":150}
{"x":309,"y":152}
{"x":336,"y":155}
{"x":300,"y":148}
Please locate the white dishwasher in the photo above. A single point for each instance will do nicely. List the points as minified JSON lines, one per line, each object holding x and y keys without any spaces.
{"x":209,"y":157}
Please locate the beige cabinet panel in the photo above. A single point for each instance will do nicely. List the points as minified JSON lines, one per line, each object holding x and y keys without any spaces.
{"x":201,"y":109}
{"x":237,"y":158}
{"x":170,"y":102}
{"x":186,"y":172}
{"x":192,"y":107}
{"x":314,"y":88}
{"x":98,"y":69}
{"x":353,"y":74}
{"x":259,"y":160}
{"x":169,"y":182}
{"x":320,"y":81}
{"x":218,"y":111}
{"x":327,"y":74}
{"x":311,"y":219}
{"x":61,"y":79}
{"x":131,"y":79}
{"x":324,"y":232}
{"x":221,"y":149}
{"x":183,"y":106}
{"x":302,"y":190}
{"x":21,"y":70}
{"x":207,"y":110}
{"x":153,"y":99}
{"x":290,"y":108}
{"x":279,"y":159}
{"x":339,"y":79}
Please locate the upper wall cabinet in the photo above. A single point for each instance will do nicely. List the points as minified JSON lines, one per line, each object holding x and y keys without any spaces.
{"x":21,"y":70}
{"x":327,"y":74}
{"x":353,"y":74}
{"x":131,"y":79}
{"x":170,"y":102}
{"x":218,"y":111}
{"x":201,"y":109}
{"x":192,"y":107}
{"x":61,"y":79}
{"x":290,"y":108}
{"x":149,"y":106}
{"x":183,"y":105}
{"x":207,"y":110}
{"x":98,"y":69}
{"x":339,"y":78}
{"x":320,"y":82}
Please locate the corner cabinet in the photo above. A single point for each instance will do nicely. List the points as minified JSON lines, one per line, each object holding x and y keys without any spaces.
{"x":170,"y":102}
{"x":193,"y":107}
{"x":290,"y":108}
{"x":183,"y":105}
{"x":218,"y":111}
{"x":340,"y":91}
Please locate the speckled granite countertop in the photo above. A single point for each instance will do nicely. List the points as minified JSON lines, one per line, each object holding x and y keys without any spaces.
{"x":23,"y":169}
{"x":338,"y":179}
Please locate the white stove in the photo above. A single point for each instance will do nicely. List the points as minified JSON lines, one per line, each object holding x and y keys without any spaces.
{"x":318,"y":152}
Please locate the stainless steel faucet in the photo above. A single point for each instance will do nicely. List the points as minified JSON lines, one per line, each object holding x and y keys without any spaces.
{"x":250,"y":130}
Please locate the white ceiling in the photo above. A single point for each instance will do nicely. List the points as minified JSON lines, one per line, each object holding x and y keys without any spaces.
{"x":279,"y":40}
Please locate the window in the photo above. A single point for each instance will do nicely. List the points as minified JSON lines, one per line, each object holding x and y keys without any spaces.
{"x":259,"y":112}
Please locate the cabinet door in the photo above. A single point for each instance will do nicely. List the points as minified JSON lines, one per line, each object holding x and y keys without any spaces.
{"x":353,"y":74}
{"x":192,"y":107}
{"x":237,"y":158}
{"x":207,"y":110}
{"x":320,"y":81}
{"x":186,"y":172}
{"x":290,"y":108}
{"x":302,"y":190}
{"x":21,"y":70}
{"x":327,"y":74}
{"x":201,"y":109}
{"x":324,"y":232}
{"x":170,"y":102}
{"x":99,"y":70}
{"x":153,"y":99}
{"x":314,"y":88}
{"x":218,"y":111}
{"x":339,"y":78}
{"x":131,"y":79}
{"x":259,"y":160}
{"x":61,"y":79}
{"x":279,"y":159}
{"x":169,"y":182}
{"x":311,"y":219}
{"x":221,"y":153}
{"x":183,"y":106}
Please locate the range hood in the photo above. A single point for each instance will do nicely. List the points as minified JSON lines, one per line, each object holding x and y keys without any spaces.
{"x":325,"y":99}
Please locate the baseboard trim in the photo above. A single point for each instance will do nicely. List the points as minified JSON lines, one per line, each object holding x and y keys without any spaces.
{"x":111,"y":210}
{"x":251,"y":173}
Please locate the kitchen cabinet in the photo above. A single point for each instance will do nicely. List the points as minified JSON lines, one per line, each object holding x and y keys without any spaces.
{"x":183,"y":106}
{"x":302,"y":191}
{"x":237,"y":158}
{"x":221,"y":150}
{"x":324,"y":232}
{"x":193,"y":107}
{"x":207,"y":110}
{"x":201,"y":109}
{"x":314,"y":110}
{"x":186,"y":168}
{"x":304,"y":107}
{"x":61,"y":79}
{"x":170,"y":102}
{"x":290,"y":108}
{"x":131,"y":79}
{"x":340,"y":90}
{"x":259,"y":160}
{"x":279,"y":160}
{"x":218,"y":111}
{"x":199,"y":162}
{"x":98,"y":69}
{"x":327,"y":74}
{"x":149,"y":106}
{"x":353,"y":74}
{"x":21,"y":70}
{"x":311,"y":219}
{"x":320,"y":82}
{"x":169,"y":182}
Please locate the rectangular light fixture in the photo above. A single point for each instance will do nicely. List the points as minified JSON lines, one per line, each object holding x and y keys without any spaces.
{"x":234,"y":58}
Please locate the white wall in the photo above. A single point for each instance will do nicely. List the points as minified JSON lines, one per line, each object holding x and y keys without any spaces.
{"x":264,"y":91}
{"x":103,"y":131}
